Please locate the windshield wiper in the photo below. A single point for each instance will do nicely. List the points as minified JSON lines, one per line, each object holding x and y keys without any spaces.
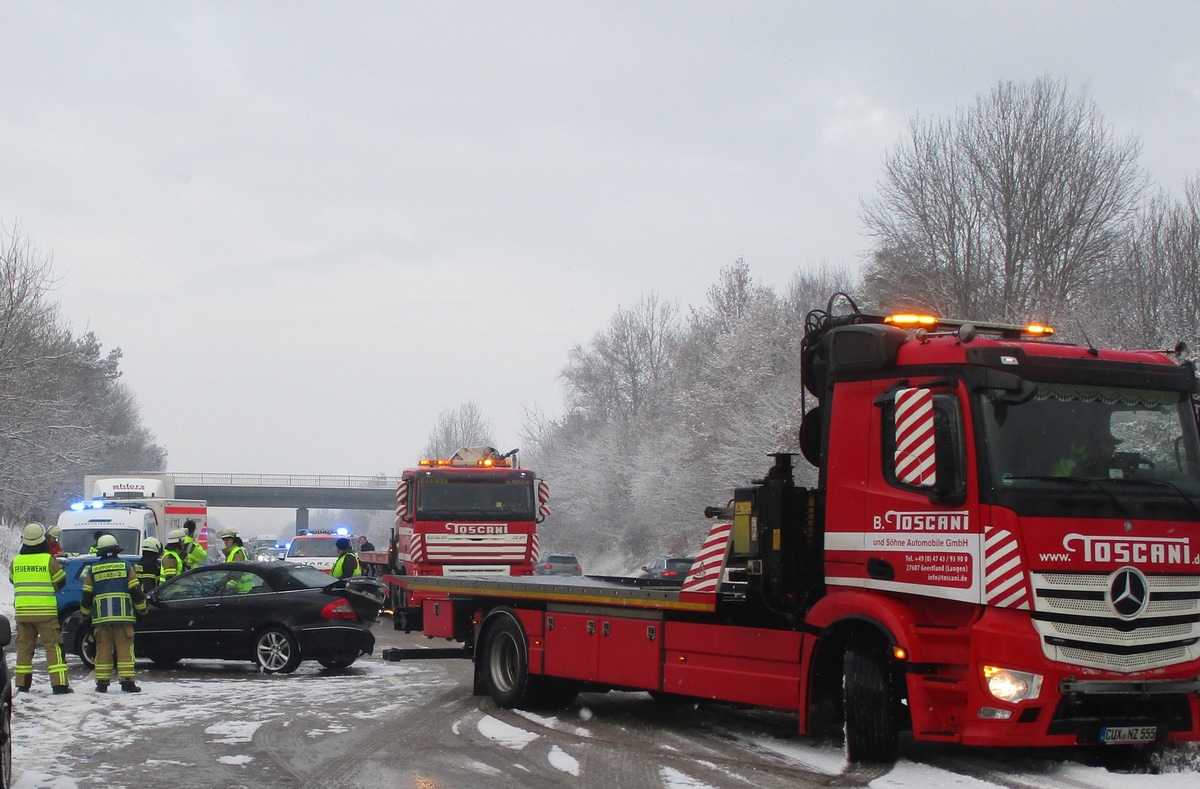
{"x":1162,"y":483}
{"x":1089,"y":481}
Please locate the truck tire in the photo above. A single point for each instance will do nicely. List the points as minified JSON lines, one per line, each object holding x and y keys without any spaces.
{"x":506,"y":663}
{"x":868,"y":700}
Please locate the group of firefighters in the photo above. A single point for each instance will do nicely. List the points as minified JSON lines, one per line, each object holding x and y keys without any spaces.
{"x":114,"y":595}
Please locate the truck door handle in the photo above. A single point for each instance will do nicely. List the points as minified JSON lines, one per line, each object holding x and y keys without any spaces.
{"x":591,"y":627}
{"x":605,"y":628}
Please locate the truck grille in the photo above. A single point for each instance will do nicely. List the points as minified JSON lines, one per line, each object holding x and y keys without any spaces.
{"x":1076,"y":620}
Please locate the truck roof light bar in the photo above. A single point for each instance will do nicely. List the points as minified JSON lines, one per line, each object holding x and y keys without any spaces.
{"x":912,"y":320}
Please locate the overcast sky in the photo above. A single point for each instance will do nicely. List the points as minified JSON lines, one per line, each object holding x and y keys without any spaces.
{"x":313,"y":227}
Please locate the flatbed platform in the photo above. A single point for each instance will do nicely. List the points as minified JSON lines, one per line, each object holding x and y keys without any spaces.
{"x":584,"y":590}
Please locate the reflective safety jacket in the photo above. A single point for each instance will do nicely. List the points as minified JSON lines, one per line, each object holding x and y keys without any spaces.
{"x":193,"y":553}
{"x":111,"y":586}
{"x":172,"y":558}
{"x":346,"y":566}
{"x":35,"y":577}
{"x":236,"y":554}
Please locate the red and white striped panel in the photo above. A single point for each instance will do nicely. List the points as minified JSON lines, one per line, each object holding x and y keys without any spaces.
{"x":915,"y":454}
{"x":1005,"y":583}
{"x":536,"y":551}
{"x":401,"y":498}
{"x":705,"y":575}
{"x":416,"y":548}
{"x":543,"y":493}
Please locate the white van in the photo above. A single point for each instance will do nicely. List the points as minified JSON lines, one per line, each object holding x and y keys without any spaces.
{"x":130,"y":525}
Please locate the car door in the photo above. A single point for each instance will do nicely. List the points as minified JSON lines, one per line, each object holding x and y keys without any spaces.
{"x":183,"y":617}
{"x":246,"y":601}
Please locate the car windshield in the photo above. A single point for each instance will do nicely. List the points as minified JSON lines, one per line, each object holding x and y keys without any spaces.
{"x":314,"y":547}
{"x":562,"y":558}
{"x":81,"y":540}
{"x":211,"y":583}
{"x":441,"y":498}
{"x":1087,"y":441}
{"x":679,"y":564}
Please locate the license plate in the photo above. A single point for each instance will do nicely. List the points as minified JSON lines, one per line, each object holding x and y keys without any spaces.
{"x":1123,"y":735}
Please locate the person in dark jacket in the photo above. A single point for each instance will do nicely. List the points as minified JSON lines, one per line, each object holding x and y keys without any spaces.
{"x":149,"y":568}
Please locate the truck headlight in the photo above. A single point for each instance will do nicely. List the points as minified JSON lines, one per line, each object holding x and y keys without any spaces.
{"x":1012,"y":686}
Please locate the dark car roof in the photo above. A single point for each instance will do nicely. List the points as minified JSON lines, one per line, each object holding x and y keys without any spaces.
{"x":280,"y":575}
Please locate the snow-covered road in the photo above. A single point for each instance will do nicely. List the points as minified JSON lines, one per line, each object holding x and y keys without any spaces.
{"x":207,"y":724}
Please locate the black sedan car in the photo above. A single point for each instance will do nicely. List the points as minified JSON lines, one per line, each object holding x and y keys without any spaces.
{"x":273,"y":614}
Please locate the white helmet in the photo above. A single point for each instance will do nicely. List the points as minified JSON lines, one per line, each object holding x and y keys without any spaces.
{"x":107,"y":541}
{"x":34,"y":534}
{"x":151,"y":544}
{"x":176,"y":536}
{"x":227,"y":533}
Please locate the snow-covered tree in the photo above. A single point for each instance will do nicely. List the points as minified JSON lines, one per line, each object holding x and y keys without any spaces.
{"x":464,"y":426}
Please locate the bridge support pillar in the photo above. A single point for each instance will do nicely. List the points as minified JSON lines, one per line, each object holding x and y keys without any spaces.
{"x":301,"y":520}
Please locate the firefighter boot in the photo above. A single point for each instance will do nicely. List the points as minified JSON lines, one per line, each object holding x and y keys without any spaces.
{"x":101,"y":687}
{"x":25,"y":684}
{"x":60,"y":689}
{"x":129,"y":686}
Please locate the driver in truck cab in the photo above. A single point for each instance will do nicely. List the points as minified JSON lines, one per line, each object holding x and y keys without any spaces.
{"x":1091,"y":456}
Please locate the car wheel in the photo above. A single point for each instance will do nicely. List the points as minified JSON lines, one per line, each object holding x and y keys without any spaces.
{"x":275,"y":650}
{"x":339,"y":662}
{"x":85,"y":646}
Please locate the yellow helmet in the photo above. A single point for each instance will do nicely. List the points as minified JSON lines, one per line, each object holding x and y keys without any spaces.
{"x":34,"y":534}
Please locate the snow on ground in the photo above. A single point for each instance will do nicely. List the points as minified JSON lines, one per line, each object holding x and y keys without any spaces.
{"x":50,"y":731}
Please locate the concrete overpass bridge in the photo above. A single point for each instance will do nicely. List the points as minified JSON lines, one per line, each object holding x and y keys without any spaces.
{"x":299,"y":491}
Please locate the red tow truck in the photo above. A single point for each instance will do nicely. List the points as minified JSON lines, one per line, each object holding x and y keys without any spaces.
{"x":473,"y":514}
{"x":962,"y":570}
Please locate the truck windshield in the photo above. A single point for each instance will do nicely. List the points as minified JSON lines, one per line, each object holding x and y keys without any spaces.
{"x":1103,"y":450}
{"x":498,"y":500}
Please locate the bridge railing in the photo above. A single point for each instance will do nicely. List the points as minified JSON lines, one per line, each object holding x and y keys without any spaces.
{"x":285,"y":480}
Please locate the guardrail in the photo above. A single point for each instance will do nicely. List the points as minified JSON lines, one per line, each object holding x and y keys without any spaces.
{"x":285,"y":480}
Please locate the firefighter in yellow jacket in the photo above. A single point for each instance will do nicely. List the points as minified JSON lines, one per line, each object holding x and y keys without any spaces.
{"x":172,"y":563}
{"x":112,"y":600}
{"x":36,"y":576}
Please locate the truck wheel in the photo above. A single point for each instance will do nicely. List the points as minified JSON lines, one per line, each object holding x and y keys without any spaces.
{"x":506,"y":664}
{"x":868,"y":701}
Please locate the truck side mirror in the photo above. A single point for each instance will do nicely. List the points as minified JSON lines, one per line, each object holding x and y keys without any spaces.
{"x":543,"y":495}
{"x":915,"y":454}
{"x":402,"y":494}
